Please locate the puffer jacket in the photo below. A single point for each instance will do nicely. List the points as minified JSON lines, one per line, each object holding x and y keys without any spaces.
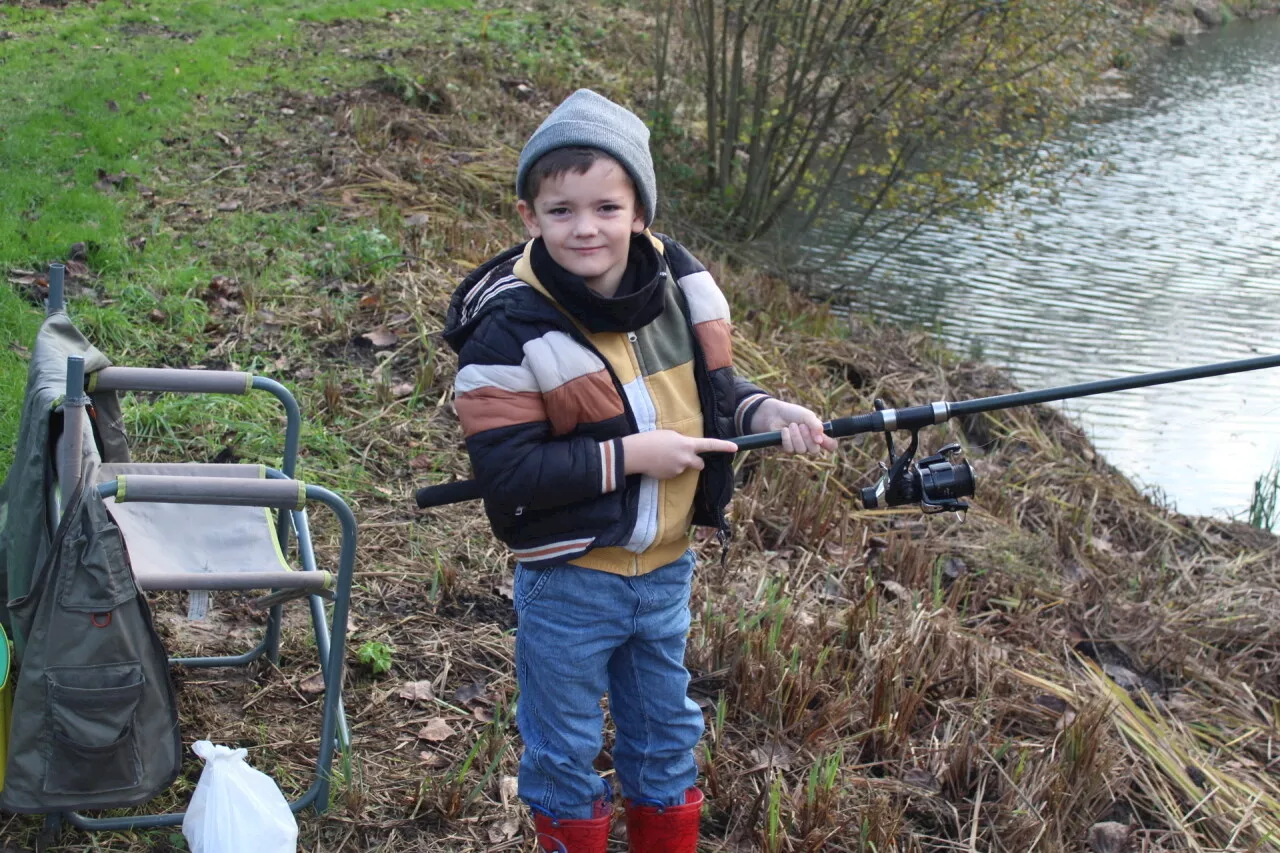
{"x":544,"y":409}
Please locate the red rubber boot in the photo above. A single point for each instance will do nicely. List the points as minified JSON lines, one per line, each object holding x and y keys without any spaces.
{"x":669,"y":829}
{"x":589,"y":835}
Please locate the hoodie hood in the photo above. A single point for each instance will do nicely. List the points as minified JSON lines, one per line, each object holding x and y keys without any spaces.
{"x":479,"y":293}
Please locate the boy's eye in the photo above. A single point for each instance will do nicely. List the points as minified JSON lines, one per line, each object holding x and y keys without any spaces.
{"x":558,"y":211}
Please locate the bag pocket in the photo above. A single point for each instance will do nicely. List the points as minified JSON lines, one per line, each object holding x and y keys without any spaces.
{"x":92,"y":741}
{"x":95,"y":576}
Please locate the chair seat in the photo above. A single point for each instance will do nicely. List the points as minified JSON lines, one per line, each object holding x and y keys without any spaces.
{"x":171,"y":546}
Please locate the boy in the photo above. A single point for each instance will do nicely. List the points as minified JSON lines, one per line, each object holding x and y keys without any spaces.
{"x":594,"y":367}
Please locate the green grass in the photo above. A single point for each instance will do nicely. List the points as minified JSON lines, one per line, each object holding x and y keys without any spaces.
{"x":92,"y":90}
{"x":1264,"y":506}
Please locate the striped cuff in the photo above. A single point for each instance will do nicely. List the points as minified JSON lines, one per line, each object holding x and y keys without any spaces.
{"x":552,"y":552}
{"x":611,"y":462}
{"x":747,"y":408}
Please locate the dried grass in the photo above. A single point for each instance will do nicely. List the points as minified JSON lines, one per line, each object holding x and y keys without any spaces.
{"x":1072,"y":657}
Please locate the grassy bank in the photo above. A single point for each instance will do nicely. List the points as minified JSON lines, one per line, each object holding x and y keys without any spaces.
{"x":1070,"y":669}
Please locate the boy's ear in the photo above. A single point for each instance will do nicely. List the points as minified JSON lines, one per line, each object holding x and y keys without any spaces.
{"x":637,"y":224}
{"x":530,"y":221}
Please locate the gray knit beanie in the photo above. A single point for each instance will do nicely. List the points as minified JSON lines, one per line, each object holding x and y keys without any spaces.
{"x":591,"y":120}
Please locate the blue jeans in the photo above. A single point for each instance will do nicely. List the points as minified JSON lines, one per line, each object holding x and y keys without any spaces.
{"x":583,"y":633}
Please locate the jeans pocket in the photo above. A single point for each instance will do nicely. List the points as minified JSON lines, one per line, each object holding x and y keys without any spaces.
{"x":93,"y":742}
{"x":529,"y":584}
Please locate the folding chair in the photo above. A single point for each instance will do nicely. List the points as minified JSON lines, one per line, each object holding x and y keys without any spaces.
{"x":203,"y":527}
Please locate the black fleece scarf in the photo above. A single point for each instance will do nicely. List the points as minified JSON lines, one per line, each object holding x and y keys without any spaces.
{"x":639,"y":300}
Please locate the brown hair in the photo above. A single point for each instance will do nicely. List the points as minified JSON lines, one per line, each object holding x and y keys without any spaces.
{"x":559,"y":161}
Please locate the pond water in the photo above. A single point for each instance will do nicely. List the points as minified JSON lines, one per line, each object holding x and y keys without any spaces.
{"x":1167,"y":257}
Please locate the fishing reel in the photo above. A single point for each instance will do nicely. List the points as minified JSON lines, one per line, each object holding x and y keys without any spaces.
{"x":936,"y":482}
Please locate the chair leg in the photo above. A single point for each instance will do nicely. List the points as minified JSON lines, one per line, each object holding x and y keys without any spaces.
{"x":273,"y":634}
{"x":50,"y":832}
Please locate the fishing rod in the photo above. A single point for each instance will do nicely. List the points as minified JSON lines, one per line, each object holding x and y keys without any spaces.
{"x":938,"y":483}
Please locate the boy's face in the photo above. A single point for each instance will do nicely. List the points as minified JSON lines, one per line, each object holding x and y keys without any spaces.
{"x":586,"y":221}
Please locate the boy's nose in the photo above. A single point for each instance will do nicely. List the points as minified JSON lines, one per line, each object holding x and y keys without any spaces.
{"x":584,"y":226}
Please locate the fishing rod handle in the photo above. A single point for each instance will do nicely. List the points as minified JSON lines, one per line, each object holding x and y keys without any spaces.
{"x":448,"y":493}
{"x":838,"y":428}
{"x":467,"y":490}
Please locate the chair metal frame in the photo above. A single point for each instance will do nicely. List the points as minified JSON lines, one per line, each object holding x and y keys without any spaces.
{"x":330,"y":640}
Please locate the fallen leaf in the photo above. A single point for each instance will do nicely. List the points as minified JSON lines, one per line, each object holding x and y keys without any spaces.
{"x":224,"y":295}
{"x":381,"y":337}
{"x":28,"y":278}
{"x":506,"y":589}
{"x":138,"y":243}
{"x":107,"y":181}
{"x":771,"y":756}
{"x":509,"y":789}
{"x":955,"y":568}
{"x":287,"y":111}
{"x":1064,"y":722}
{"x":1053,"y":703}
{"x":921,"y":778}
{"x":228,"y":206}
{"x":369,"y":300}
{"x":417,"y":220}
{"x":113,"y":106}
{"x":157,"y":316}
{"x":434,"y":760}
{"x":143,"y":97}
{"x":482,"y":714}
{"x":1126,"y":678}
{"x":1109,"y":837}
{"x":22,"y":351}
{"x":76,"y":269}
{"x":895,"y":589}
{"x":417,"y":691}
{"x":504,"y":830}
{"x":420,"y":462}
{"x":228,"y":143}
{"x":476,"y":691}
{"x":436,"y":730}
{"x":312,"y":685}
{"x":402,"y":390}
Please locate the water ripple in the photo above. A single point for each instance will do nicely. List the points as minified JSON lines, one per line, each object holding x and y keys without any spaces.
{"x":1169,"y":258}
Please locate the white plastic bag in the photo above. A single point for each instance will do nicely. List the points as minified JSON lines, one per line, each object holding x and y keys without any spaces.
{"x":236,"y":809}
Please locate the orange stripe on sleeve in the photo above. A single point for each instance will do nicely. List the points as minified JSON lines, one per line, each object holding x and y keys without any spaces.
{"x":586,"y":400}
{"x":717,"y":342}
{"x":491,"y":408}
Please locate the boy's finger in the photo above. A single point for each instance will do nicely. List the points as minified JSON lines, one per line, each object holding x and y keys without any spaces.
{"x":715,"y":445}
{"x":811,"y":444}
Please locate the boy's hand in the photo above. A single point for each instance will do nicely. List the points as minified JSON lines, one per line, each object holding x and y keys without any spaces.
{"x":664,"y":453}
{"x":801,"y":429}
